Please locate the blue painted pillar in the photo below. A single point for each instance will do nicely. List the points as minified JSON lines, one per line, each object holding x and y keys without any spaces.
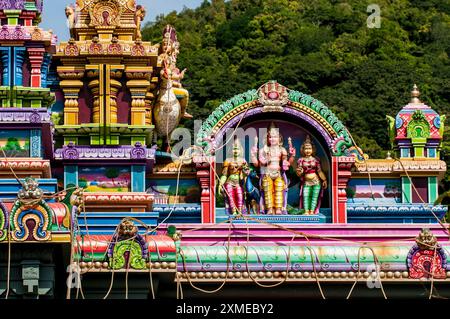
{"x":35,"y":143}
{"x":5,"y":55}
{"x":70,"y":175}
{"x":19,"y":58}
{"x":138,"y":178}
{"x":44,"y":69}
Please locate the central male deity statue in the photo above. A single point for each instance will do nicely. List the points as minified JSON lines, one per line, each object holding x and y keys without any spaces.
{"x":273,"y":162}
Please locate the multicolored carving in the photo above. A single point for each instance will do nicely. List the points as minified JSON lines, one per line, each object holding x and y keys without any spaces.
{"x":274,"y":95}
{"x":106,"y":35}
{"x":231,"y":183}
{"x":419,"y":126}
{"x":31,"y":217}
{"x":4,"y":222}
{"x":104,"y":179}
{"x":418,"y":129}
{"x":427,"y":258}
{"x":313,"y":180}
{"x":127,"y":248}
{"x":173,"y":99}
{"x":112,"y":87}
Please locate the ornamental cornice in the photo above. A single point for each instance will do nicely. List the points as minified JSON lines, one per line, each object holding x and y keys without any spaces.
{"x":386,"y":166}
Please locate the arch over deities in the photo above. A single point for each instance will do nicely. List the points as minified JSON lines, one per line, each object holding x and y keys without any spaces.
{"x":273,"y":97}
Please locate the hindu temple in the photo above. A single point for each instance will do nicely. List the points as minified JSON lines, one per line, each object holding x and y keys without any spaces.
{"x":272,"y":191}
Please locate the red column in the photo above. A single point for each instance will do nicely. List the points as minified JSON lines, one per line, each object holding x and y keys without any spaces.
{"x":341,"y":173}
{"x":36,"y":56}
{"x":28,"y":18}
{"x":206,"y":177}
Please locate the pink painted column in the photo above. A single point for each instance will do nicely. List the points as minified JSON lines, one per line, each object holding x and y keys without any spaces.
{"x":341,"y":173}
{"x":206,"y":177}
{"x":28,"y":18}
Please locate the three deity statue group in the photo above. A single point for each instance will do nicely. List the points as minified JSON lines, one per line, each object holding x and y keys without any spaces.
{"x":273,"y":161}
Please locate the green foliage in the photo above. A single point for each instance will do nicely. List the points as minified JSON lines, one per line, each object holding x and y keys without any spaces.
{"x":12,"y":144}
{"x":112,"y":173}
{"x":83,"y":182}
{"x":320,"y":47}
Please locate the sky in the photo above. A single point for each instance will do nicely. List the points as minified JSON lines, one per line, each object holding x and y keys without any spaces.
{"x":54,"y":16}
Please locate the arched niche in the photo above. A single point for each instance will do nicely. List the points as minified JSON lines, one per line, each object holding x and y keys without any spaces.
{"x":294,"y":110}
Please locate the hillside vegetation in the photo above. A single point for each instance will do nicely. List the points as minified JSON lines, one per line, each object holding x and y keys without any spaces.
{"x":320,"y":47}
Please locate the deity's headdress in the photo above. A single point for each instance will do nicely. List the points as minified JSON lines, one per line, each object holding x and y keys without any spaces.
{"x":237,"y":145}
{"x":170,"y":34}
{"x":308,"y":142}
{"x":273,"y":129}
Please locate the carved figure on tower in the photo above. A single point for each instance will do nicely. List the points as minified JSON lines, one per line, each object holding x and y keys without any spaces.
{"x":70,"y":14}
{"x":172,"y":99}
{"x":139,"y":16}
{"x":312,"y":179}
{"x":234,"y":171}
{"x":273,"y":160}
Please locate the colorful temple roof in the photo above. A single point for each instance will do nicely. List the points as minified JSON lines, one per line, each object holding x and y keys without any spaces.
{"x":409,"y":120}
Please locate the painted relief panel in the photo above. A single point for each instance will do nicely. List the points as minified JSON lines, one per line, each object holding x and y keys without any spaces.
{"x":15,"y":143}
{"x":385,"y":190}
{"x":165,"y":190}
{"x":105,"y":179}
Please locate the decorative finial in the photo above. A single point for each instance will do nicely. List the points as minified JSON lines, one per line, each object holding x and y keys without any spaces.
{"x":415,"y":93}
{"x":388,"y":155}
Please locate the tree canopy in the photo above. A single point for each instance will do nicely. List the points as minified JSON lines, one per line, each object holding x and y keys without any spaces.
{"x":320,"y":47}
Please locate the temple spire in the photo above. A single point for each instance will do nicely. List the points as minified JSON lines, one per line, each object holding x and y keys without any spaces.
{"x":415,"y":93}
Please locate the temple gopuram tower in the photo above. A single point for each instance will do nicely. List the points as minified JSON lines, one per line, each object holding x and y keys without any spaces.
{"x":26,"y":140}
{"x":29,"y":213}
{"x":417,"y":133}
{"x":105,"y":125}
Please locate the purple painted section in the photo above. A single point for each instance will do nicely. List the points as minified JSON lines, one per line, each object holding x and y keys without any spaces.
{"x":12,"y":4}
{"x":137,"y":152}
{"x":26,"y":73}
{"x":59,"y":100}
{"x":123,"y":104}
{"x":421,"y":185}
{"x":84,"y":115}
{"x":24,"y":115}
{"x":433,"y":143}
{"x":18,"y":32}
{"x":404,"y":143}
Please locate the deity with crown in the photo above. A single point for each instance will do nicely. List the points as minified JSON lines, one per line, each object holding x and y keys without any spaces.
{"x":313,"y":179}
{"x":273,"y":160}
{"x":231,"y":182}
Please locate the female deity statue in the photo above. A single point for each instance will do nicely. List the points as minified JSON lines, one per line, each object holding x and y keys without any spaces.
{"x":273,"y":163}
{"x":231,"y":182}
{"x":313,"y":179}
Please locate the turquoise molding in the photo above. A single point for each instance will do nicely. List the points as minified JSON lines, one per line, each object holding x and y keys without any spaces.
{"x":70,"y":175}
{"x":138,"y":178}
